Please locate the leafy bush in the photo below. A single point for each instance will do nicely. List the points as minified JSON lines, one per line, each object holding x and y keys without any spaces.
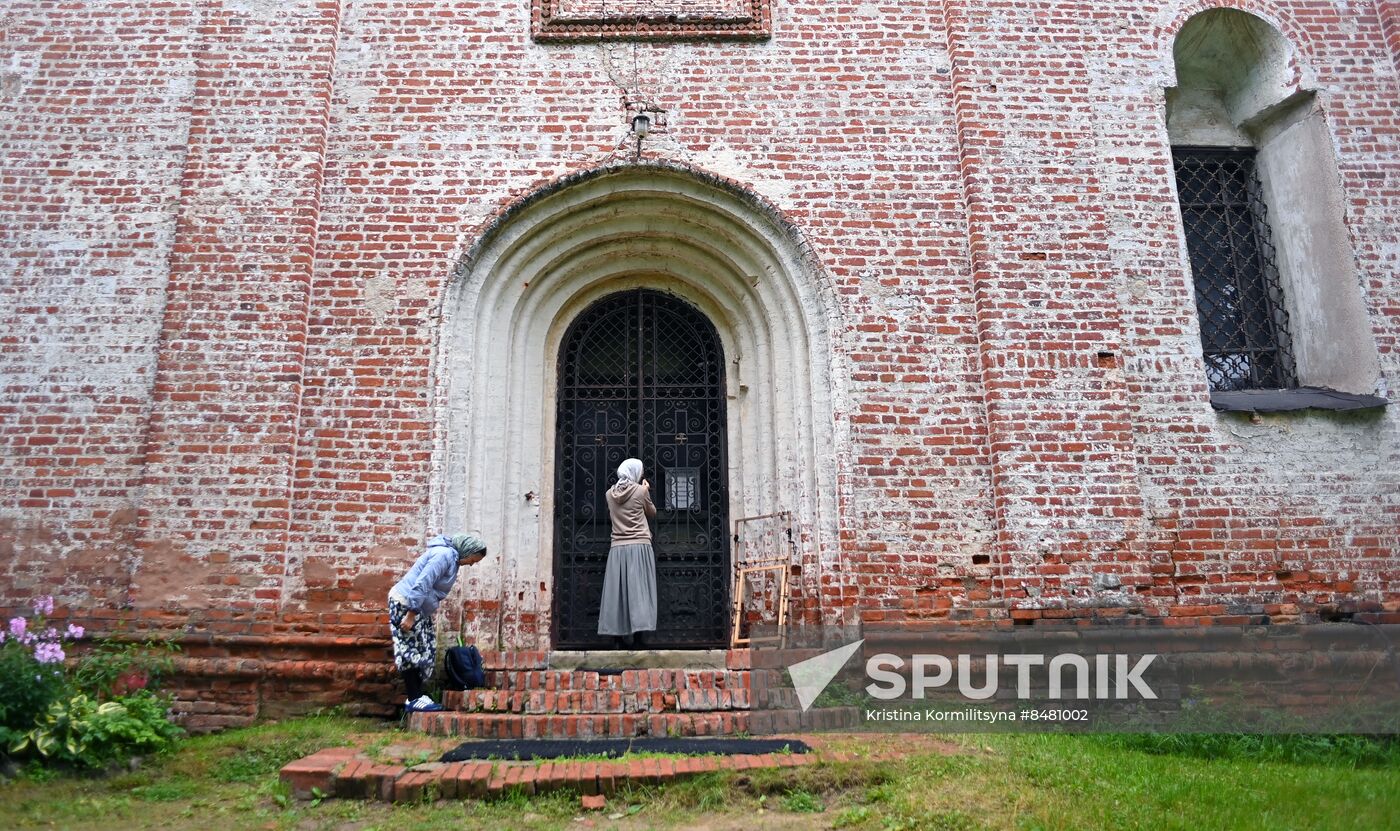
{"x":80,"y":731}
{"x":104,"y":712}
{"x":114,"y":669}
{"x":135,"y":724}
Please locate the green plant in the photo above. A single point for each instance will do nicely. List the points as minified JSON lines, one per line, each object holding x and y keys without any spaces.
{"x":31,"y":670}
{"x":883,"y":792}
{"x":57,"y":734}
{"x":114,"y":668}
{"x":102,"y":712}
{"x":139,"y":724}
{"x":802,"y":802}
{"x":81,"y":731}
{"x":855,"y":815}
{"x":34,"y":771}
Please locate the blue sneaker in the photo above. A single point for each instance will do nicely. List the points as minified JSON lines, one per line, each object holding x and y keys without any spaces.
{"x":422,"y":704}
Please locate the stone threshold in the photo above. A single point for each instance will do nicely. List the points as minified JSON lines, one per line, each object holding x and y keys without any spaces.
{"x":591,"y":659}
{"x":346,"y":773}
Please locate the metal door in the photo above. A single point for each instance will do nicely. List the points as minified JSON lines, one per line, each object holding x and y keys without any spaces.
{"x":641,"y":374}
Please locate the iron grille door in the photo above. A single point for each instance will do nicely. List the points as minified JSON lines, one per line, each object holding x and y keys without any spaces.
{"x":642,"y":373}
{"x":1239,"y":300}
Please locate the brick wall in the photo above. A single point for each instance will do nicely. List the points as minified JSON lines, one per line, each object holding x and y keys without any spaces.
{"x":1390,"y":26}
{"x":96,"y":106}
{"x":227,"y":228}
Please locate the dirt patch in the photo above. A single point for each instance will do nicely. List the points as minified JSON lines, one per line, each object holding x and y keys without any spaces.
{"x":762,"y":821}
{"x":882,"y":746}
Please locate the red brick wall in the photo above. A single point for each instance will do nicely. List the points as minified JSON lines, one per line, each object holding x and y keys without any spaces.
{"x":1390,"y":25}
{"x":227,"y":227}
{"x":96,"y":106}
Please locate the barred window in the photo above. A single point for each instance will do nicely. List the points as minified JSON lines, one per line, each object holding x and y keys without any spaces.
{"x":1239,"y":300}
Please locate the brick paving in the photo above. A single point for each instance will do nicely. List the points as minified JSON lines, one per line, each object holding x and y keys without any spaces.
{"x":352,"y":774}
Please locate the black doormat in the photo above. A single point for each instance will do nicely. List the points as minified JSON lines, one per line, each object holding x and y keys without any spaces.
{"x":528,"y":749}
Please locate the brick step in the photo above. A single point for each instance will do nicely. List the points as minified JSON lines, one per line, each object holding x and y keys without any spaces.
{"x":628,"y":725}
{"x":344,"y":773}
{"x":542,"y":702}
{"x":654,"y":659}
{"x":499,"y":725}
{"x":578,"y":726}
{"x":633,"y":680}
{"x":514,"y":660}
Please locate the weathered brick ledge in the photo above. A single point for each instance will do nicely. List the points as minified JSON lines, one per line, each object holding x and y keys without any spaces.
{"x":346,"y":773}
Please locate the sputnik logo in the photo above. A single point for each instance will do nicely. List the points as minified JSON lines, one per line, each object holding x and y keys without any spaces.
{"x":811,"y":676}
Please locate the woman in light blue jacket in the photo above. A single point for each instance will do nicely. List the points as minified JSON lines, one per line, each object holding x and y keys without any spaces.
{"x":413,"y":601}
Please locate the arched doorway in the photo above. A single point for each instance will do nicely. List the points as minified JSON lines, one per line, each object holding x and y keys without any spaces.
{"x":541,"y":265}
{"x":642,"y":373}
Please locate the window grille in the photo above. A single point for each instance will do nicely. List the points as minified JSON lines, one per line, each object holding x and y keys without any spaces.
{"x":1239,"y":300}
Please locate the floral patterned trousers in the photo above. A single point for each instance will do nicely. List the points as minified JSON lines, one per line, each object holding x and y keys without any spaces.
{"x":418,"y":646}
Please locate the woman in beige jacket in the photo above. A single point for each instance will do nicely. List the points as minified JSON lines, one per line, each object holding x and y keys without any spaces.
{"x":629,"y":582}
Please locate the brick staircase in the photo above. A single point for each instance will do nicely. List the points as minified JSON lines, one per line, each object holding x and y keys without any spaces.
{"x":525,"y":698}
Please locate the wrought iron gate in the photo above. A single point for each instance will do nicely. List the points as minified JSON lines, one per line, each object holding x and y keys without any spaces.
{"x":641,"y":374}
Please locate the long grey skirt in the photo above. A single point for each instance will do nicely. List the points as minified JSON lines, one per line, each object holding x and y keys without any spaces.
{"x":629,"y":590}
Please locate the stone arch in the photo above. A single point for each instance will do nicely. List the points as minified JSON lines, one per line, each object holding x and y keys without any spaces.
{"x":1242,"y":58}
{"x":1282,"y":32}
{"x":543,"y":260}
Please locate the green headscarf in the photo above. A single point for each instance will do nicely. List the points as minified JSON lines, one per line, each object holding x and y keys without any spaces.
{"x":467,"y":544}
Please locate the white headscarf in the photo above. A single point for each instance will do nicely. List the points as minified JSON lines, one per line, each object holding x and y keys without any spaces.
{"x":629,"y":473}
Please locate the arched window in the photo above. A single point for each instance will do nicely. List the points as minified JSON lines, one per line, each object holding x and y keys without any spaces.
{"x":1277,"y":292}
{"x":1245,"y":335}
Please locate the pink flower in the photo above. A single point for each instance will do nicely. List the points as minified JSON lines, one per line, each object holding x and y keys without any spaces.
{"x":75,"y":631}
{"x":17,"y":626}
{"x":44,"y":605}
{"x":48,"y":653}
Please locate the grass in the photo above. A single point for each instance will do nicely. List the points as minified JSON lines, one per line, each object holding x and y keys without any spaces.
{"x":1335,"y":751}
{"x":1059,"y":781}
{"x":988,"y":781}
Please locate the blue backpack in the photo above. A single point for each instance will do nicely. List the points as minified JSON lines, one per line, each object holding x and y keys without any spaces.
{"x":464,"y":669}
